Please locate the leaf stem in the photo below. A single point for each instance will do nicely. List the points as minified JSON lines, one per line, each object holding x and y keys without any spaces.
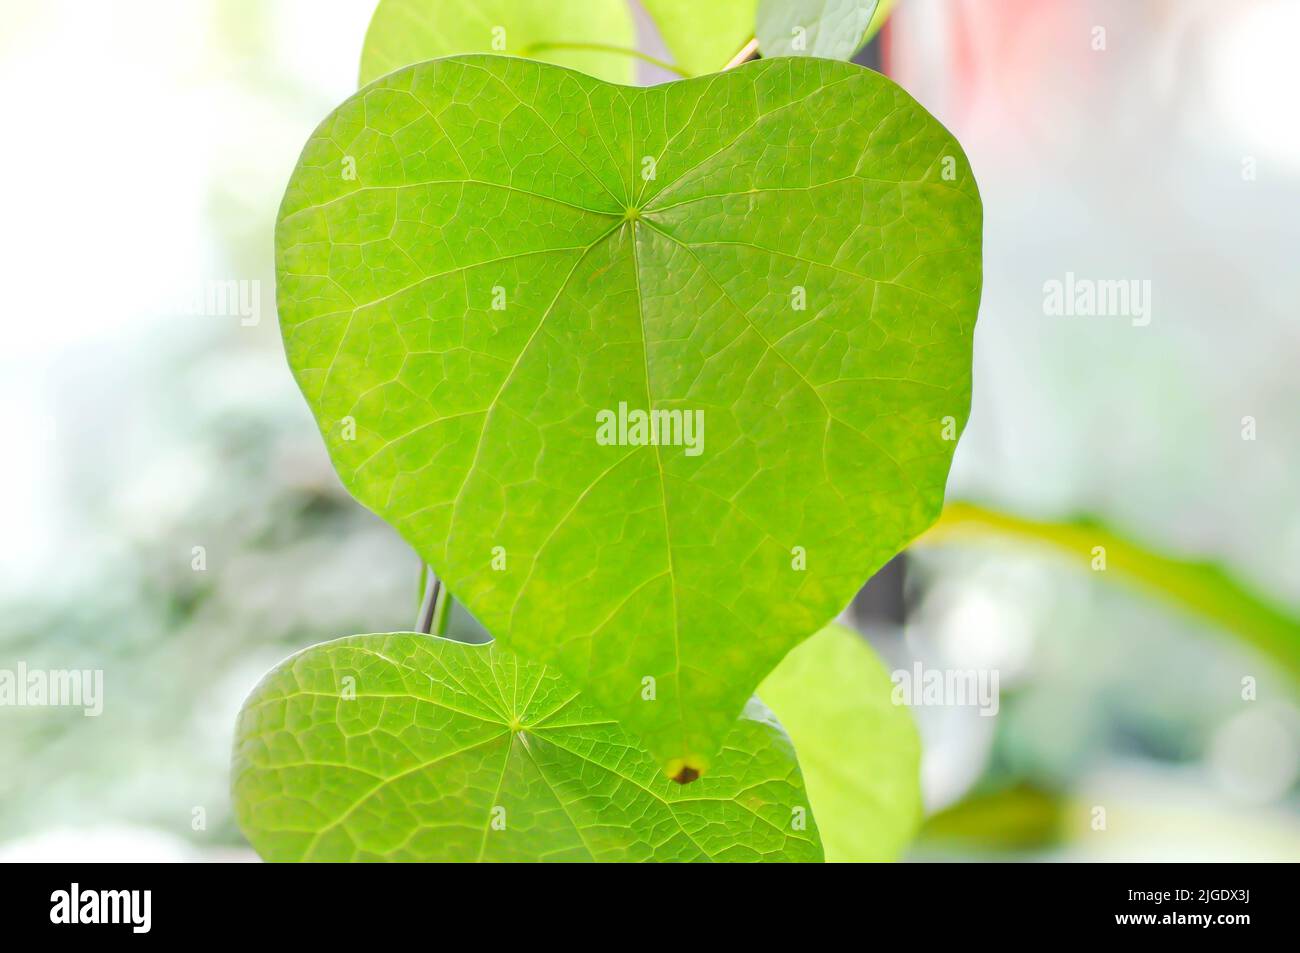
{"x":441,"y":612}
{"x":430,"y":595}
{"x":1201,"y":588}
{"x":533,"y":48}
{"x":745,"y":55}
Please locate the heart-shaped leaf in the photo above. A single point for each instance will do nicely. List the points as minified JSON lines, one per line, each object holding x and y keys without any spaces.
{"x":573,"y":33}
{"x":410,"y":747}
{"x":835,"y":29}
{"x":490,"y":270}
{"x":860,"y":753}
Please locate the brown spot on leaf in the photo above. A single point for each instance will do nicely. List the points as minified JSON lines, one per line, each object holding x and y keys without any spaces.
{"x":686,"y":775}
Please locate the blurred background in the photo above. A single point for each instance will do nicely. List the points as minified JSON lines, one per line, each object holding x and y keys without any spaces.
{"x":169,"y":515}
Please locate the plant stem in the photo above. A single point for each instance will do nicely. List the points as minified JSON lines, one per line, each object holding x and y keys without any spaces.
{"x":442,"y":612}
{"x":746,"y":53}
{"x":430,"y":597}
{"x":1202,"y":588}
{"x":533,"y":48}
{"x":435,"y":605}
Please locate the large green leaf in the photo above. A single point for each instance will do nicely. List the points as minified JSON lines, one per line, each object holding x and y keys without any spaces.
{"x":454,"y":187}
{"x":403,"y":32}
{"x":703,"y":37}
{"x":860,"y":753}
{"x":411,"y":747}
{"x":835,"y":29}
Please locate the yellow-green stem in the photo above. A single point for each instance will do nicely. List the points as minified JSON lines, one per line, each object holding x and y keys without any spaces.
{"x":1202,"y":588}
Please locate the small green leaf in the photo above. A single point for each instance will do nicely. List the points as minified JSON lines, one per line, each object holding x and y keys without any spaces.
{"x":1014,"y":819}
{"x":403,"y":32}
{"x":703,"y":37}
{"x":860,"y":753}
{"x":834,"y":29}
{"x":485,"y":265}
{"x":411,"y":747}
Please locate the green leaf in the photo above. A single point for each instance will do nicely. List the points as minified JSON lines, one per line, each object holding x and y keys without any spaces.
{"x":472,"y":274}
{"x":1204,"y":589}
{"x":1018,"y":818}
{"x":411,"y":747}
{"x":594,"y":36}
{"x":403,"y":32}
{"x":703,"y":37}
{"x":860,"y":753}
{"x":834,"y":29}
